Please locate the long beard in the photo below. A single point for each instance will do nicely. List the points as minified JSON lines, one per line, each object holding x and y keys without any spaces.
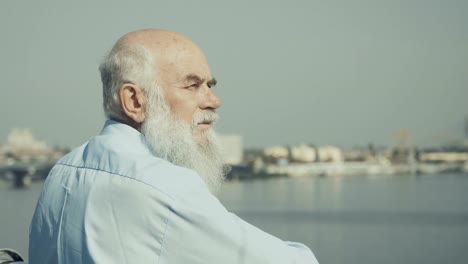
{"x":172,"y":139}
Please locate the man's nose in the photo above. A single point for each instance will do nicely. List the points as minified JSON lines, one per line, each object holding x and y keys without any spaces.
{"x":210,"y":100}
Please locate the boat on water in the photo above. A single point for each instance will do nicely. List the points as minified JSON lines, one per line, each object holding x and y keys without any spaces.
{"x":362,"y":168}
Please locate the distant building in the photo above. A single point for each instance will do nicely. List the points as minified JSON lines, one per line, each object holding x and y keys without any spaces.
{"x":330,"y":154}
{"x":304,"y":153}
{"x":22,"y":138}
{"x":232,"y":149}
{"x":276,"y":154}
{"x":22,"y":146}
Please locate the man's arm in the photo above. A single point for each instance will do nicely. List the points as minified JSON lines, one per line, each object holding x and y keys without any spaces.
{"x":201,"y":230}
{"x":129,"y":221}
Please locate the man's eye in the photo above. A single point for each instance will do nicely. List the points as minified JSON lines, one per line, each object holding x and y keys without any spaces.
{"x":193,"y":86}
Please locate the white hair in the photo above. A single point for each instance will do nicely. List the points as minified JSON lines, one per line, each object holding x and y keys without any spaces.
{"x":124,"y":64}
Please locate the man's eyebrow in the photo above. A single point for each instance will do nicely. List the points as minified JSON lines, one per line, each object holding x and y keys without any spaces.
{"x":197,"y":79}
{"x":194,"y":78}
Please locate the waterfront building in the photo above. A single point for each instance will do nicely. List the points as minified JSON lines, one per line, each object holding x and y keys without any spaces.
{"x":276,"y":154}
{"x":22,"y":146}
{"x":304,"y":153}
{"x":232,"y":149}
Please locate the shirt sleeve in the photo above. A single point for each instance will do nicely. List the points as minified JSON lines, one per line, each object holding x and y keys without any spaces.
{"x":201,"y":230}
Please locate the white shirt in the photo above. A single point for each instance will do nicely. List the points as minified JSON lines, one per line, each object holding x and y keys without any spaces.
{"x":112,"y":201}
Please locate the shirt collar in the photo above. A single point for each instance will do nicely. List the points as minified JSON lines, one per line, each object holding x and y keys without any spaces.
{"x":132,"y":136}
{"x":112,"y":126}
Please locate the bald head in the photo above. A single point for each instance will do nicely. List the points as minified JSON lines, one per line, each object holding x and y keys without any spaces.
{"x":166,"y":48}
{"x":148,"y":58}
{"x":154,"y":39}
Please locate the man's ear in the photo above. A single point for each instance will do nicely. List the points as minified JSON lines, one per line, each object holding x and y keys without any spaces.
{"x":131,"y":100}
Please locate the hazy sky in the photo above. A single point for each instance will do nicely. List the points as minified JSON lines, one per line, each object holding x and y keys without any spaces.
{"x":323,"y":72}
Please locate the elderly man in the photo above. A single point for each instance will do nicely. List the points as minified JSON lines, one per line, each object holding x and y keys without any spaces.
{"x":142,"y":191}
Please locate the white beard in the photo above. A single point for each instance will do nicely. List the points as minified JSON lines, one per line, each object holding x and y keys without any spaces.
{"x":172,"y":139}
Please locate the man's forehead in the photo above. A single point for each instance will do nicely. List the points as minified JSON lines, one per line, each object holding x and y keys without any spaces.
{"x":180,"y":70}
{"x":176,"y":52}
{"x":179,"y":60}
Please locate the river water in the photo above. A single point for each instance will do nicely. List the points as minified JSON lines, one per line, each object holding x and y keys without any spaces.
{"x":353,"y":219}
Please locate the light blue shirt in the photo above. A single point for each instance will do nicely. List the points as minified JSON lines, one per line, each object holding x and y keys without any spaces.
{"x":112,"y":201}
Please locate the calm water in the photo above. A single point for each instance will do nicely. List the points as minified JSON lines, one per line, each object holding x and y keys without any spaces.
{"x":352,"y":220}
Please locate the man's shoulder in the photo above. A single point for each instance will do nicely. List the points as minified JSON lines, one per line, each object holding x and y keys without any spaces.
{"x":133,"y":161}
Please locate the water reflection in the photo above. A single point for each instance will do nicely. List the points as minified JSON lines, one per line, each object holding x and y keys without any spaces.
{"x":358,"y":219}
